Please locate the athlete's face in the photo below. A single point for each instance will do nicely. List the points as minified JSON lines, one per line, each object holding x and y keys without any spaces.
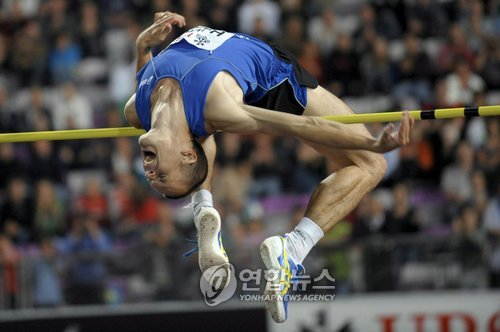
{"x":162,"y":162}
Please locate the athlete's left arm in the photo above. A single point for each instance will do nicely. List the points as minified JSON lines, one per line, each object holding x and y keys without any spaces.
{"x":223,"y":113}
{"x":152,"y":36}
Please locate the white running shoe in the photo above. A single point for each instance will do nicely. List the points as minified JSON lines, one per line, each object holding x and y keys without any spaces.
{"x":282,"y":272}
{"x":212,"y":257}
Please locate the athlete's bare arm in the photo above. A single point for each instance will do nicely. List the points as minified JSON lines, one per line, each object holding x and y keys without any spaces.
{"x":152,"y":36}
{"x":223,"y":112}
{"x":155,"y":35}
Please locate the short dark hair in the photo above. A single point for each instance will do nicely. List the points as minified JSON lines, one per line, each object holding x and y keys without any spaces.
{"x":197,"y":172}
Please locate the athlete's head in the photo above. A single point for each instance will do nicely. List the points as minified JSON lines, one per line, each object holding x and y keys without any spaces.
{"x":174,"y":169}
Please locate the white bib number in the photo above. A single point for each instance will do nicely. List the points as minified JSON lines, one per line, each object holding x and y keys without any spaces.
{"x":205,"y":38}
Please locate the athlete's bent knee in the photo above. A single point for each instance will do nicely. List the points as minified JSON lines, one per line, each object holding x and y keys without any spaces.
{"x":377,"y":167}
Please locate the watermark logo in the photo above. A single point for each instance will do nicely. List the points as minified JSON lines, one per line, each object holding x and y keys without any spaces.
{"x":218,"y":284}
{"x":253,"y":283}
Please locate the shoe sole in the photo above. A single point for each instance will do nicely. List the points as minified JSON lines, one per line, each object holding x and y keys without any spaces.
{"x":210,"y":257}
{"x":270,"y":249}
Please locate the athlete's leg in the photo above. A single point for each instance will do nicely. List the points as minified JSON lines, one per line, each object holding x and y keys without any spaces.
{"x":357,"y":172}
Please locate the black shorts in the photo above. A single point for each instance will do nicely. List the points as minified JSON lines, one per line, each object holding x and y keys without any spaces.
{"x":282,"y":98}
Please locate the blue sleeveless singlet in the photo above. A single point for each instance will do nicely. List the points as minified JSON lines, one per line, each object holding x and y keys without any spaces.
{"x":196,"y":57}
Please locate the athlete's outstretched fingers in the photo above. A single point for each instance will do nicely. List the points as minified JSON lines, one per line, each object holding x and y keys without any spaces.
{"x":172,"y":18}
{"x":389,"y":134}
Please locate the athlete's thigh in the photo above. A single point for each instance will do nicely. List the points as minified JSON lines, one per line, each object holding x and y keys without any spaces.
{"x":321,"y":102}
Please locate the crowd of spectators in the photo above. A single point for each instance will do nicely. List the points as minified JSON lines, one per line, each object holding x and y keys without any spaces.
{"x":69,"y":64}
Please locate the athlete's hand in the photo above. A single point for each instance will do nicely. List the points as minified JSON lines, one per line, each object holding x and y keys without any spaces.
{"x":159,"y":30}
{"x":390,"y":140}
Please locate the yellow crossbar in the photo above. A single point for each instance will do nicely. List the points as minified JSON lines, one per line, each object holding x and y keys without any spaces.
{"x":445,"y":113}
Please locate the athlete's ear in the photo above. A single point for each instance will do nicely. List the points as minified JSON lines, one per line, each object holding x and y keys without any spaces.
{"x":189,"y":157}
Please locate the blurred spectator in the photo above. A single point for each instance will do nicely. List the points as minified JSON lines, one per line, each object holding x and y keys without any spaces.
{"x":4,"y":57}
{"x":383,"y":24}
{"x":476,"y":131}
{"x":492,"y":146}
{"x":479,"y":191}
{"x":488,"y":64}
{"x":462,"y":85}
{"x":342,"y":70}
{"x":290,"y":7}
{"x":9,"y":259}
{"x":48,"y":165}
{"x":162,"y":242}
{"x":268,"y":11}
{"x":372,"y":218}
{"x":88,"y":244}
{"x":191,"y":11}
{"x":476,"y":25}
{"x":16,"y":213}
{"x":323,"y":31}
{"x":38,"y":117}
{"x":455,"y":48}
{"x":426,"y":19}
{"x":377,"y":69}
{"x":439,"y":98}
{"x":49,"y":213}
{"x":372,"y":221}
{"x":266,"y":177}
{"x":468,"y":246}
{"x":402,"y":218}
{"x":64,"y":58}
{"x":10,"y":165}
{"x":308,"y":171}
{"x":20,"y":9}
{"x":161,"y":5}
{"x":293,"y":35}
{"x":414,"y":71}
{"x":455,"y":181}
{"x":450,"y":133}
{"x":91,"y":36}
{"x":311,"y":60}
{"x":28,"y":54}
{"x":122,"y":157}
{"x":232,"y":186}
{"x":132,"y":205}
{"x":93,"y":201}
{"x":47,"y":286}
{"x":253,"y":220}
{"x":260,"y":31}
{"x":491,"y":224}
{"x":223,"y":15}
{"x":56,"y":18}
{"x":7,"y":118}
{"x":144,"y":208}
{"x":72,"y":109}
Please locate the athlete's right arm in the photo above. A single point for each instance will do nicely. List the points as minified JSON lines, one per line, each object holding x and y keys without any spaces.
{"x":223,"y":113}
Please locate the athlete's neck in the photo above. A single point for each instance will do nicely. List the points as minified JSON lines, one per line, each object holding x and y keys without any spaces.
{"x":167,"y":111}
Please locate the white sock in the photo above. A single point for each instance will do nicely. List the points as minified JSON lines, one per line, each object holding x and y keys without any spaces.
{"x":301,"y":240}
{"x":201,"y":198}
